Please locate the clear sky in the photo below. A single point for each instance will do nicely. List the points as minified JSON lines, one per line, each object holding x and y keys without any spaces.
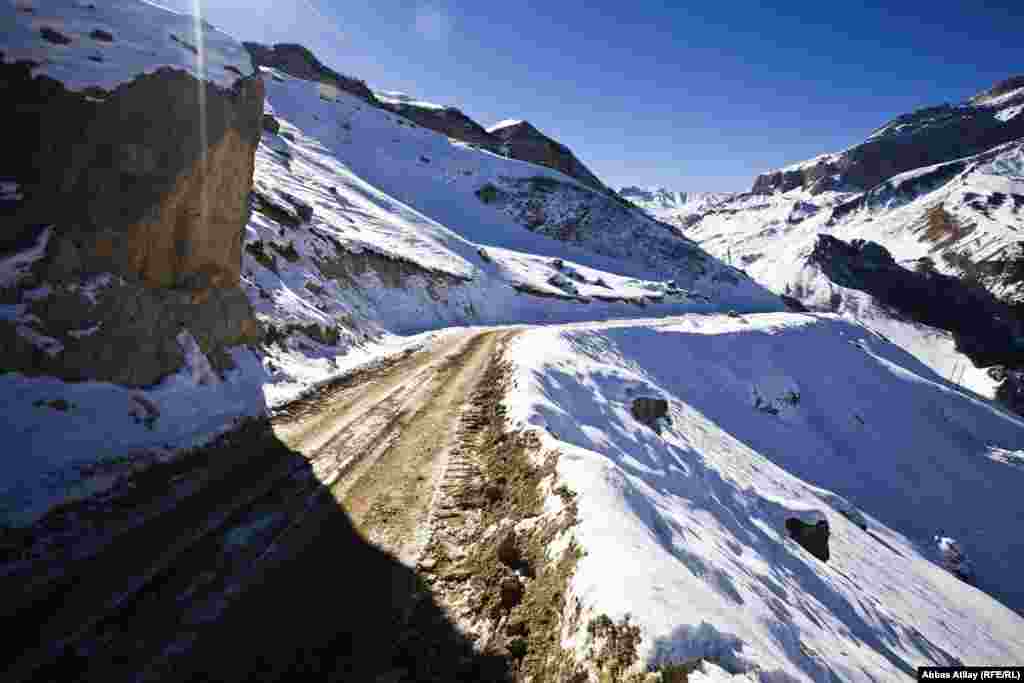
{"x":689,"y":95}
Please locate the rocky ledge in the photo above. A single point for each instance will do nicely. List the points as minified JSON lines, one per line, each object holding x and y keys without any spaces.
{"x":137,"y":199}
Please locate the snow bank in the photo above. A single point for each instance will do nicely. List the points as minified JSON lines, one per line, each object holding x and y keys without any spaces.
{"x":778,"y":416}
{"x":109,"y":42}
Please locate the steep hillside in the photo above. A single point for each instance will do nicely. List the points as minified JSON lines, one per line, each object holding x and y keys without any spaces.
{"x":252,"y":277}
{"x":960,"y":217}
{"x":519,"y":141}
{"x":677,"y":208}
{"x":922,"y":138}
{"x":807,"y":502}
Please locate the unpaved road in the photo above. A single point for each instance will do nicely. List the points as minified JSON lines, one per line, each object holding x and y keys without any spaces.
{"x":288,"y":548}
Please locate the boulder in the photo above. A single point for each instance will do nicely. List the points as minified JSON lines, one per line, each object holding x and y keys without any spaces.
{"x":512,"y":591}
{"x":142,"y":182}
{"x":650,"y":411}
{"x":812,"y":537}
{"x":270,"y":124}
{"x":146,"y":191}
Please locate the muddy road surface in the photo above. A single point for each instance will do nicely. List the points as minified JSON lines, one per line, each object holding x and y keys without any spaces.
{"x":288,"y":548}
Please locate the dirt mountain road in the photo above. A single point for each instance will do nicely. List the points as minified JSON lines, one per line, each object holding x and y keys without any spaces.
{"x":288,"y":547}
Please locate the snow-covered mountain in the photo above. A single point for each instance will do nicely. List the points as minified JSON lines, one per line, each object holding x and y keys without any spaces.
{"x":922,"y":138}
{"x":363,"y":225}
{"x":673,"y":206}
{"x":753,"y":494}
{"x":961,"y":215}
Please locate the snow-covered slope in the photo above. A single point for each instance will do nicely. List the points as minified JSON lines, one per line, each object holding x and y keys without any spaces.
{"x":772,"y":417}
{"x":365,"y":227}
{"x":672,"y":206}
{"x":104,"y":44}
{"x":409,"y":193}
{"x":920,"y":138}
{"x":404,"y":237}
{"x":963,"y":213}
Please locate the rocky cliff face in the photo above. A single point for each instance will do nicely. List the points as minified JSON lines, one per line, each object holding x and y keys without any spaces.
{"x":985,"y":329}
{"x":922,"y":138}
{"x":296,"y":60}
{"x":525,"y":142}
{"x":447,"y":121}
{"x":139,"y":193}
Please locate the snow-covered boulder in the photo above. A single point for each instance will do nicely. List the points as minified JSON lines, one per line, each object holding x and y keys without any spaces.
{"x":952,"y":558}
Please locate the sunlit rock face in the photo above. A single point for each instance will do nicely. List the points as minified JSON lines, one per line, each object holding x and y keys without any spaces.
{"x":142,"y":186}
{"x":932,"y":135}
{"x":296,"y":60}
{"x":150,"y":181}
{"x":525,"y":142}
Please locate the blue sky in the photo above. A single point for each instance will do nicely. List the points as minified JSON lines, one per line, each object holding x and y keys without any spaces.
{"x":692,"y":96}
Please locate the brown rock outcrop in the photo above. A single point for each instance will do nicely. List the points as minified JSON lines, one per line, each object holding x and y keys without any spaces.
{"x":298,"y":61}
{"x":929,"y":136}
{"x":529,"y":144}
{"x":148,"y":182}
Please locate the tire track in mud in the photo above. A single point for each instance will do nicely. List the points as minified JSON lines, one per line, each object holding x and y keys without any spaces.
{"x":364,"y":422}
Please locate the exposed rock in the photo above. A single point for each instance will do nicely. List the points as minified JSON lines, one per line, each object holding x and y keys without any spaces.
{"x":512,"y":591}
{"x":448,"y":121}
{"x":145,"y":185}
{"x":508,"y":551}
{"x":793,"y":304}
{"x":131,"y":332}
{"x":270,"y":124}
{"x":102,"y":36}
{"x":300,"y":62}
{"x":517,"y":627}
{"x":525,"y":142}
{"x":812,"y":537}
{"x":53,"y":36}
{"x":392,"y":272}
{"x":999,"y":89}
{"x":1010,"y":391}
{"x":952,"y":558}
{"x":984,"y":328}
{"x":650,"y":411}
{"x":569,"y":213}
{"x":922,"y":138}
{"x":521,"y":141}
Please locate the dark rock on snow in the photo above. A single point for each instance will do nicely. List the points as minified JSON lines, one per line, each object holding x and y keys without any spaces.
{"x":812,"y":537}
{"x":300,"y":62}
{"x":649,"y":411}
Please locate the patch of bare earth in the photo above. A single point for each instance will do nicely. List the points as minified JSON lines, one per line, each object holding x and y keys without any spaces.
{"x":489,"y":559}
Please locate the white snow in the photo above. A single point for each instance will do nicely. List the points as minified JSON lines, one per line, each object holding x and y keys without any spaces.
{"x":771,"y":238}
{"x":685,"y":531}
{"x":1009,"y":112}
{"x":395,"y":97}
{"x":385,"y":201}
{"x":811,"y":163}
{"x":15,"y":267}
{"x":999,"y":100}
{"x":196,"y":362}
{"x":146,"y":37}
{"x":505,"y":123}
